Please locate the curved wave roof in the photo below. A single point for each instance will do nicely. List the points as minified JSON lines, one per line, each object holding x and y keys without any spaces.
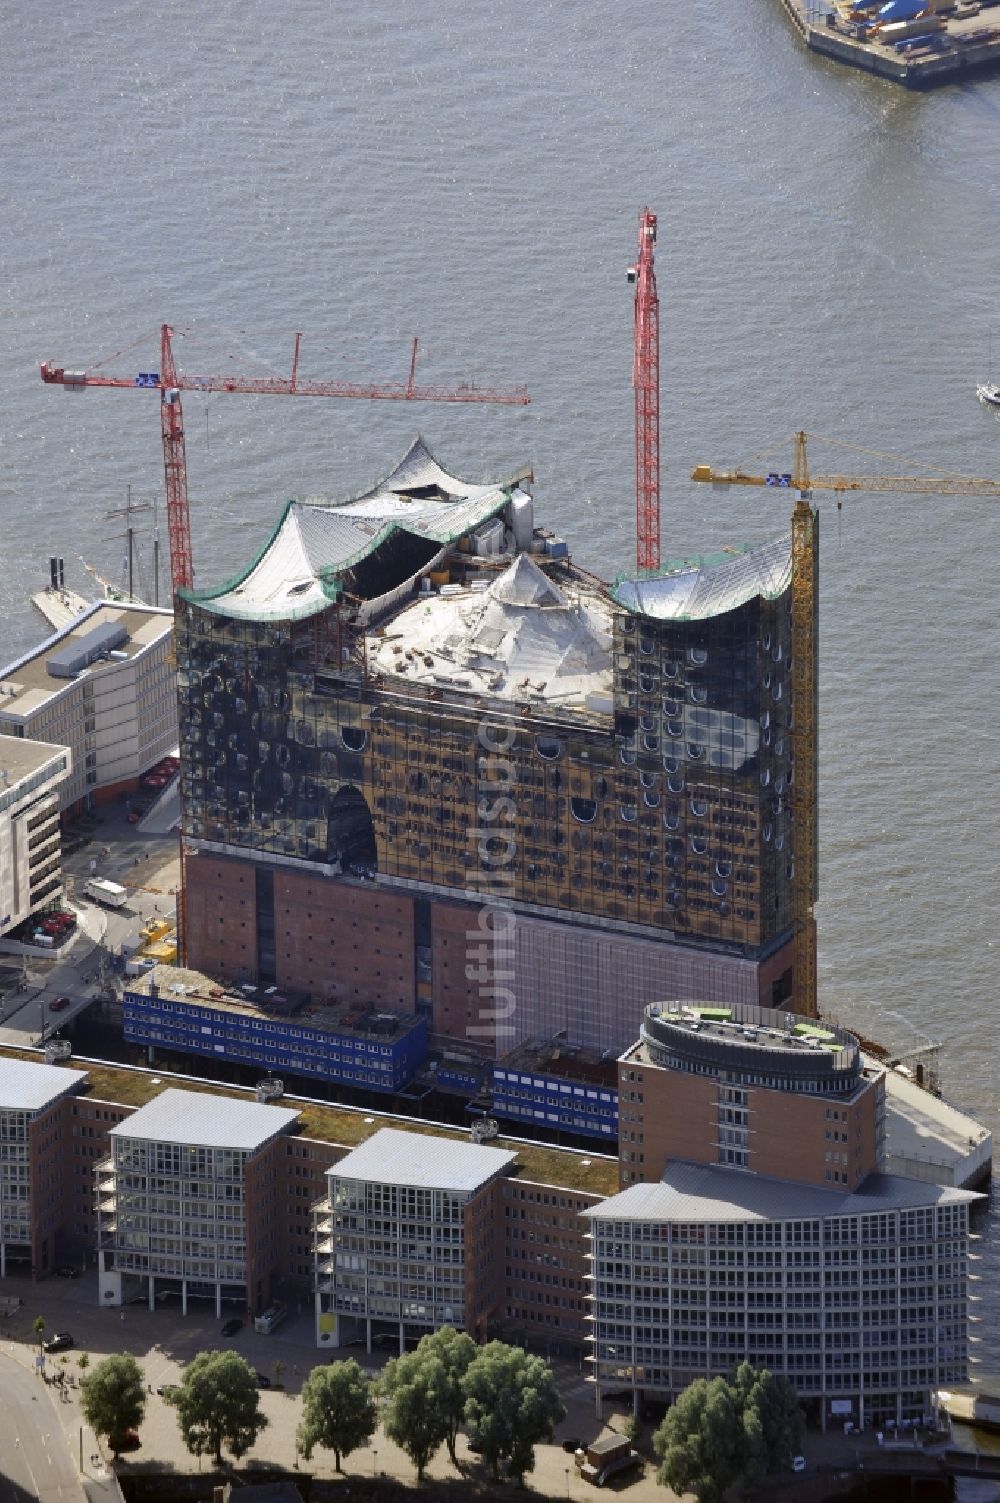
{"x":694,"y":591}
{"x":298,"y":571}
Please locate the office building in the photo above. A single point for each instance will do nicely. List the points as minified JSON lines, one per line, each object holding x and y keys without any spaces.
{"x":437,"y":764}
{"x":188,"y":1201}
{"x":751,"y":1087}
{"x":31,"y":773}
{"x":103,"y":687}
{"x":32,"y":1146}
{"x":860,"y":1297}
{"x":409,"y":1239}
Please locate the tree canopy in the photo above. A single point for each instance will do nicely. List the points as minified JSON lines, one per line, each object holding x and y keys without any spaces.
{"x":699,"y":1443}
{"x":511,"y":1404}
{"x":218,"y":1403}
{"x":415,"y":1389}
{"x":339,"y":1411}
{"x":719,"y":1430}
{"x":113,"y":1398}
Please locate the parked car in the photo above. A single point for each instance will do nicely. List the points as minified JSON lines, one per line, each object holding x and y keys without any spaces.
{"x":571,"y":1446}
{"x":58,"y":1003}
{"x":60,"y":1342}
{"x":263,"y":1381}
{"x":67,"y":1271}
{"x":167,"y":1391}
{"x":232,"y":1327}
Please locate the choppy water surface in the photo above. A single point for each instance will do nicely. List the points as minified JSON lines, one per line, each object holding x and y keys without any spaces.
{"x":472,"y":173}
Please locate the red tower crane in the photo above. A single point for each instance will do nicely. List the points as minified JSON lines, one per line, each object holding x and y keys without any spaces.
{"x":646,"y":383}
{"x":170,"y":382}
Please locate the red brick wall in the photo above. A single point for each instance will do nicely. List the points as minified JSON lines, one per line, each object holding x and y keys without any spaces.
{"x":463,"y":1007}
{"x":342,"y":942}
{"x":221,"y":917}
{"x":545,"y":1259}
{"x":303,"y":1183}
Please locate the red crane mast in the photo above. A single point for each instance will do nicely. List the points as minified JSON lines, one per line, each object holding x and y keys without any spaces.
{"x":170,"y":383}
{"x":646,"y":384}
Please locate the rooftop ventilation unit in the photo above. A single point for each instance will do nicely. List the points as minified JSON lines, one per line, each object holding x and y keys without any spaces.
{"x":79,"y":652}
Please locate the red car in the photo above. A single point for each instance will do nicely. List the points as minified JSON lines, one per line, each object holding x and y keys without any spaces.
{"x":58,"y":1003}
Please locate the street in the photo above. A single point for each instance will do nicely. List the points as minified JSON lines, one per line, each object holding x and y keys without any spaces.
{"x":37,"y":1462}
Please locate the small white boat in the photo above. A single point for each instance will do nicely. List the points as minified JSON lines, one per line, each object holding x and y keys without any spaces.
{"x":989,"y":394}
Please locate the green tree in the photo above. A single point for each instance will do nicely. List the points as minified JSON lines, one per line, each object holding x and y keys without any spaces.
{"x":113,"y":1398}
{"x":218,"y":1403}
{"x":38,"y":1327}
{"x":338,"y":1410}
{"x":454,"y":1350}
{"x":700,"y":1443}
{"x":773,"y":1423}
{"x":415,"y":1389}
{"x":511,"y":1403}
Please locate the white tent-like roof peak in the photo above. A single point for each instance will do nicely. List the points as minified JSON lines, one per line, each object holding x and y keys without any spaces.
{"x":524,"y":584}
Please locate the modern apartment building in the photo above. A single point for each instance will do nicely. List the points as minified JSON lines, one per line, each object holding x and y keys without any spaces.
{"x":103,"y":687}
{"x":409,"y":1238}
{"x":412,"y":711}
{"x":188,"y":1201}
{"x":31,"y":773}
{"x":32,"y":1148}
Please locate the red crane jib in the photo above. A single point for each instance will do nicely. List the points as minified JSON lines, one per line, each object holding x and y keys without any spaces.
{"x":170,"y":382}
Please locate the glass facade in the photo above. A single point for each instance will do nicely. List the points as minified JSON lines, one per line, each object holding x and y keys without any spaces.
{"x":866,"y":1307}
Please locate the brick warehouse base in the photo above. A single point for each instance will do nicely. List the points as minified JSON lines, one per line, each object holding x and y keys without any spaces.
{"x":351,"y":941}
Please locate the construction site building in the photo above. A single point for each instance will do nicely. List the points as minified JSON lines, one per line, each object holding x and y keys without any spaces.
{"x":430,"y":764}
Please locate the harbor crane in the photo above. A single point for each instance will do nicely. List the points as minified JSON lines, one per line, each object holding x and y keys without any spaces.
{"x":646,"y":384}
{"x":170,"y":382}
{"x":805,"y":537}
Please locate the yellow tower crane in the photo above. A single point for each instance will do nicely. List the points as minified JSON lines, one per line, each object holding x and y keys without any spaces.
{"x":805,"y":538}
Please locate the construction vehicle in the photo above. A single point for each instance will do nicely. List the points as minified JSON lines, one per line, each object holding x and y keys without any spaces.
{"x":805,"y":535}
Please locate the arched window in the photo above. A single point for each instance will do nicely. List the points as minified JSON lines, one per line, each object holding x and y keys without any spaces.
{"x":584,"y":810}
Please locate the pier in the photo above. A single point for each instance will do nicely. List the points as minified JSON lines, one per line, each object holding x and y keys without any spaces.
{"x":967,"y":46}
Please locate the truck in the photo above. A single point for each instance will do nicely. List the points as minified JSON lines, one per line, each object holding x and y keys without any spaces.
{"x":111,"y":894}
{"x":271,"y":1319}
{"x":605,"y":1458}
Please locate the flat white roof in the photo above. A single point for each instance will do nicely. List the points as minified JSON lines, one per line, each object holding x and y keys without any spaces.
{"x":206,"y":1121}
{"x":715,"y":1192}
{"x":27,"y":1087}
{"x":391,"y":1157}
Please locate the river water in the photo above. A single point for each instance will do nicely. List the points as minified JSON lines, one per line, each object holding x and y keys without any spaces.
{"x":472,"y":173}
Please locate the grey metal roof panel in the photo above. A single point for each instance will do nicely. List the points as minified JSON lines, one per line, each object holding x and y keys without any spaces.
{"x":317,"y":539}
{"x":695,"y":592}
{"x":714,"y":1192}
{"x":421,"y":1161}
{"x":28,"y":1087}
{"x":206,"y":1121}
